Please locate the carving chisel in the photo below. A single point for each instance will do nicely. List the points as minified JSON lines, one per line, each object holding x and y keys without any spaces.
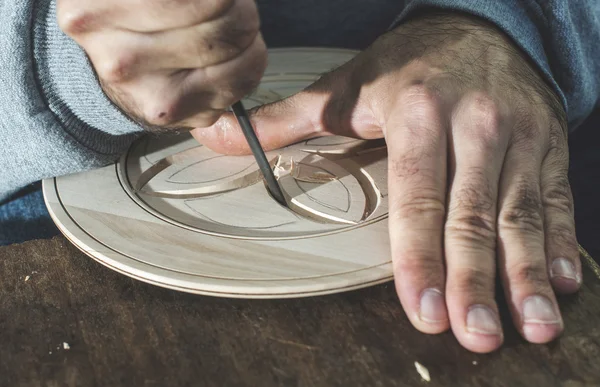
{"x":257,"y":151}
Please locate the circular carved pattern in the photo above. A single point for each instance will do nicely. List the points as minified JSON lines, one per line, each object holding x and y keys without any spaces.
{"x":332,"y":183}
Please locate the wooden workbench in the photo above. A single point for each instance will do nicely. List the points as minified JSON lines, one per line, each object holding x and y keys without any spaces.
{"x":121,"y":332}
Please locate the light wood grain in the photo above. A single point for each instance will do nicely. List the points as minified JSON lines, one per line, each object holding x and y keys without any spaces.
{"x":178,"y":215}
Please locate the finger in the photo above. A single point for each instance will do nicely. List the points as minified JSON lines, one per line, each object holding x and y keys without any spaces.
{"x":479,"y":140}
{"x":332,"y":105}
{"x":206,"y":44}
{"x":277,"y":125}
{"x":416,"y":139}
{"x":119,"y":56}
{"x":162,"y":15}
{"x":227,"y":82}
{"x":183,"y":98}
{"x":78,"y":17}
{"x":521,"y":241}
{"x":561,"y":242}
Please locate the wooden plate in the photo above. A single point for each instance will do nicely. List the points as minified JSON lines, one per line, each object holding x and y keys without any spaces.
{"x":173,"y":213}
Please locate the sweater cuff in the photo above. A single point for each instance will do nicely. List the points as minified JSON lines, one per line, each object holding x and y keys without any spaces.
{"x":519,"y":20}
{"x":71,"y":89}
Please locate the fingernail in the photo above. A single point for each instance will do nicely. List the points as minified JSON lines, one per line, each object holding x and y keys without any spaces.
{"x":562,"y":267}
{"x":539,"y":310}
{"x":433,"y":306}
{"x":482,"y":320}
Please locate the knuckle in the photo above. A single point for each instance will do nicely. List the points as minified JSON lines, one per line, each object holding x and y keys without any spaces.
{"x":524,"y":212}
{"x":423,"y":114}
{"x":484,"y":108}
{"x":74,"y":21}
{"x":235,"y":36}
{"x":472,"y":230}
{"x":557,"y":195}
{"x":232,"y":43}
{"x":418,"y":264}
{"x":522,"y":219}
{"x":116,"y":68}
{"x":425,"y":203}
{"x":232,"y":85}
{"x":161,"y":114}
{"x":422,"y":101}
{"x":563,"y":237}
{"x":474,"y":281}
{"x":471,"y":216}
{"x":529,"y":272}
{"x":486,"y":115}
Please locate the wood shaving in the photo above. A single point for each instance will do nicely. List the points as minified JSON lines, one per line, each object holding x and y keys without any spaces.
{"x":27,"y":278}
{"x":281,"y":169}
{"x":423,"y":371}
{"x":302,"y":173}
{"x":66,"y":346}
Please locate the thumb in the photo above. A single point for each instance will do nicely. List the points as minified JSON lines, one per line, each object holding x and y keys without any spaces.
{"x":277,"y":125}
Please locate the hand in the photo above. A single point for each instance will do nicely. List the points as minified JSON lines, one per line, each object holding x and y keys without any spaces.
{"x":478,"y":164}
{"x":170,"y":64}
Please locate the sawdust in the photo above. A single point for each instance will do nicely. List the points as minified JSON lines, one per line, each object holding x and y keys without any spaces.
{"x":423,"y":371}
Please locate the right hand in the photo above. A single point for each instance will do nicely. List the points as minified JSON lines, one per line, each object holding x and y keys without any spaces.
{"x":170,"y":64}
{"x":478,"y":160}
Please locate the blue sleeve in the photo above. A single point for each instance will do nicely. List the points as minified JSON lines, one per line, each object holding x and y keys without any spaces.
{"x":54,"y":117}
{"x":561,"y":36}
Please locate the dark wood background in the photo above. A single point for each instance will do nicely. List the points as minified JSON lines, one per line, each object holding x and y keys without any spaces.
{"x":122,"y":332}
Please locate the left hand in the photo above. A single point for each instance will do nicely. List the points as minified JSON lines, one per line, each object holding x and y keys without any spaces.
{"x":478,"y":163}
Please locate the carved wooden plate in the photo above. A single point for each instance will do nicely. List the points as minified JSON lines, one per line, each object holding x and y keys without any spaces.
{"x":175,"y":214}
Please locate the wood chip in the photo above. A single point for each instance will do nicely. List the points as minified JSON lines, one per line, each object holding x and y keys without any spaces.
{"x":66,"y":346}
{"x":424,"y":372}
{"x":27,"y":278}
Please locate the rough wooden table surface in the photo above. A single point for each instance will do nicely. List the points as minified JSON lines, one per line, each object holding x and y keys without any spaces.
{"x":121,"y":332}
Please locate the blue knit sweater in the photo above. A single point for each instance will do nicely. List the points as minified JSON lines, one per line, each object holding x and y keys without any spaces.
{"x":55,"y":119}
